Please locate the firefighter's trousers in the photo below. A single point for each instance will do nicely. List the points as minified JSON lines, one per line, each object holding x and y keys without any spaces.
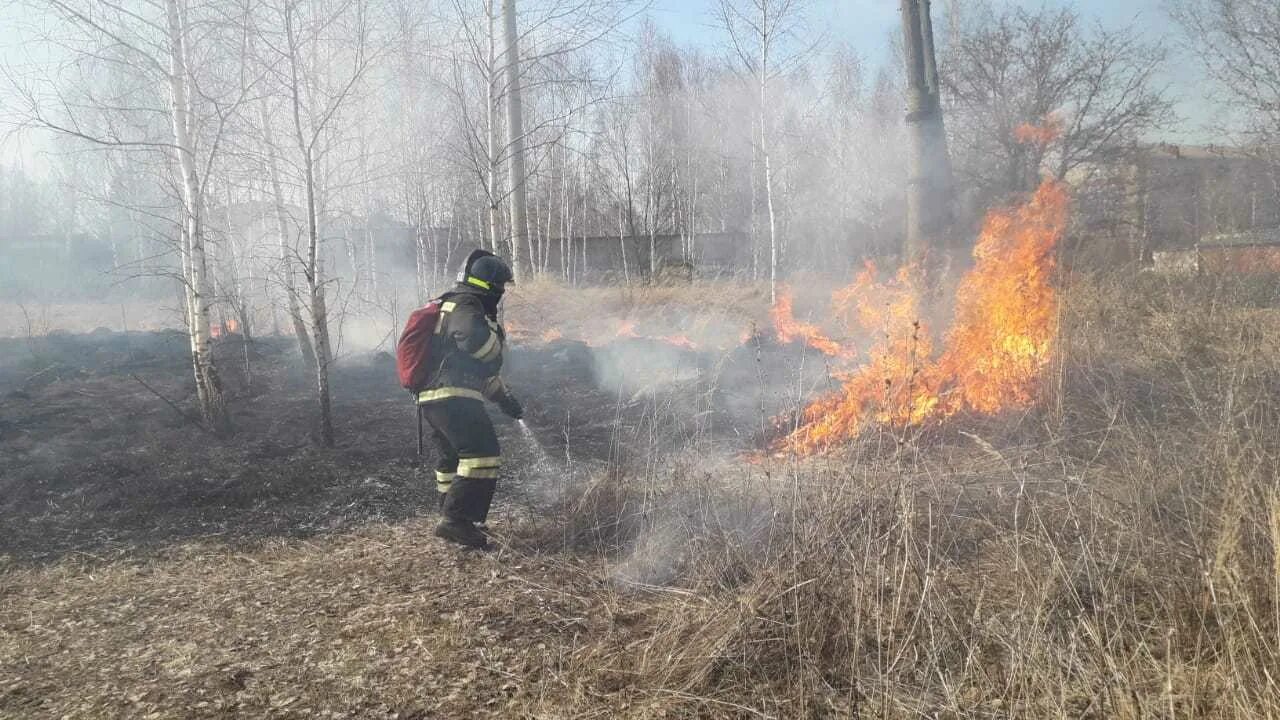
{"x":468,"y":459}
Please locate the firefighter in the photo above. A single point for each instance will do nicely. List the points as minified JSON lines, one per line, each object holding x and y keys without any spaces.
{"x":467,"y":353}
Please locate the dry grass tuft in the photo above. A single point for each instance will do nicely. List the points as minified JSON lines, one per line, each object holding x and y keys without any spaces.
{"x":1114,"y":555}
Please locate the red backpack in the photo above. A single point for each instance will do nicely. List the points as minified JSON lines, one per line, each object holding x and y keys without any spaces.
{"x":413,"y":351}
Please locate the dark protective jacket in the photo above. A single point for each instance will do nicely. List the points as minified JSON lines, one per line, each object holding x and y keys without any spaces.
{"x":466,"y":348}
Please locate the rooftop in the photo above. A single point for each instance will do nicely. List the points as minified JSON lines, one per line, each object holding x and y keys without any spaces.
{"x":1257,"y":236}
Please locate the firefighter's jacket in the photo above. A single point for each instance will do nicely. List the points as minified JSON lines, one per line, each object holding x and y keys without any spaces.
{"x":466,"y":350}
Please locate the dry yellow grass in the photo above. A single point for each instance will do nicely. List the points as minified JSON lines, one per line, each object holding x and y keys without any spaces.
{"x":385,"y":622}
{"x":1112,"y":554}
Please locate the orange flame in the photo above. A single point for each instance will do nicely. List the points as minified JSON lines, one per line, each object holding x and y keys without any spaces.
{"x":1044,"y":134}
{"x":680,"y":341}
{"x":790,"y":330}
{"x":226,"y":327}
{"x":551,"y":335}
{"x":999,"y":343}
{"x":515,"y":331}
{"x":627,"y":329}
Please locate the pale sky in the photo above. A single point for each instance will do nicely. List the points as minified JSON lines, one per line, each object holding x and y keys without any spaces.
{"x":865,"y":25}
{"x":869,"y":25}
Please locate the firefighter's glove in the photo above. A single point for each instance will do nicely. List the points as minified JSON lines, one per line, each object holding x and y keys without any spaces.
{"x":510,"y":406}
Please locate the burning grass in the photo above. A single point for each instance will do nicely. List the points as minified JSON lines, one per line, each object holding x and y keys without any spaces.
{"x":1107,"y":551}
{"x":1110,"y":554}
{"x":991,"y":359}
{"x":711,"y":317}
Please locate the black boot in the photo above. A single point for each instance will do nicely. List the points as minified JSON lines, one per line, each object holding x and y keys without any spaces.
{"x":466,"y":503}
{"x":463,"y":533}
{"x":479,"y":498}
{"x":469,"y":499}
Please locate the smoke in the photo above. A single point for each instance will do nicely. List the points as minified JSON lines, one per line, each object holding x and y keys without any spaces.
{"x":639,"y":367}
{"x":705,"y":505}
{"x":366,"y":333}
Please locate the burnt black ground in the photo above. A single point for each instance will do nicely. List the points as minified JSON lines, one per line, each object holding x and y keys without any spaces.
{"x":93,"y":462}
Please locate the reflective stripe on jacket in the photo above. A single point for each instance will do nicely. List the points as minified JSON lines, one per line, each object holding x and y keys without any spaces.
{"x":467,"y":349}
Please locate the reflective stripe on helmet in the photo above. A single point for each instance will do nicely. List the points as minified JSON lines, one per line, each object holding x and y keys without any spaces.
{"x":478,"y":283}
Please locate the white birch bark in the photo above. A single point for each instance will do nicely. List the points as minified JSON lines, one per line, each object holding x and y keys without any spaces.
{"x":288,"y":267}
{"x":198,"y":286}
{"x":313,"y":270}
{"x":492,"y":189}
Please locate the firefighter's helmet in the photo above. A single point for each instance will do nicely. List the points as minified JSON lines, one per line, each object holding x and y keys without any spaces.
{"x":486,"y":271}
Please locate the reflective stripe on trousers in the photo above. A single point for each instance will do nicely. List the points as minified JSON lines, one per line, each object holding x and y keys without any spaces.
{"x":480,"y":468}
{"x":445,"y":393}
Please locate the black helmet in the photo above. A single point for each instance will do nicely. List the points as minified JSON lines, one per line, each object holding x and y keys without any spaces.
{"x":486,"y":271}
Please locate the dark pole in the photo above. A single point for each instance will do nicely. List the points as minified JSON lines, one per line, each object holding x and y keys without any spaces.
{"x":928,"y":165}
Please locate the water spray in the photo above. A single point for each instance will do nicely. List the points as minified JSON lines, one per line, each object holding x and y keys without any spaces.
{"x":543,"y":461}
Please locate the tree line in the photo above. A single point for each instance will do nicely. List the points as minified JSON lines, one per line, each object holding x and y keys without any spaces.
{"x":255,"y":144}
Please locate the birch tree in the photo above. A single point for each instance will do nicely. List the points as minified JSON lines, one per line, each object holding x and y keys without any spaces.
{"x":551,"y":35}
{"x":760,"y":33}
{"x":318,"y":54}
{"x":153,"y":43}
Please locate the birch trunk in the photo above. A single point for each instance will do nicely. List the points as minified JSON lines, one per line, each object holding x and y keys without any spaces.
{"x":651,"y":219}
{"x":288,"y":268}
{"x":768,"y":184}
{"x":622,"y":245}
{"x":755,"y":226}
{"x":420,"y":265}
{"x":314,"y":268}
{"x":535,"y":235}
{"x":319,"y":310}
{"x":566,"y":223}
{"x":581,"y":274}
{"x":198,"y":291}
{"x":546,"y":235}
{"x":491,"y":116}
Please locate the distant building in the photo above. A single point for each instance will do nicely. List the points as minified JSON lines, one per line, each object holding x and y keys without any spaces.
{"x":1246,"y":253}
{"x":606,"y":258}
{"x":1196,"y":194}
{"x":1167,"y":198}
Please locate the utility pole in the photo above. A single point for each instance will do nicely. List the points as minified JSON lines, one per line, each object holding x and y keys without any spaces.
{"x":515,"y":142}
{"x":929,"y":167}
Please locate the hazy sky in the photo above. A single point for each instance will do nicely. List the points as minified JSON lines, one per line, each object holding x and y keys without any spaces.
{"x":869,"y":25}
{"x":866,"y":25}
